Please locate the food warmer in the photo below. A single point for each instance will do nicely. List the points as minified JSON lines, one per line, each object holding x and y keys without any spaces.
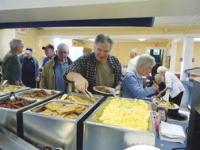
{"x":101,"y":136}
{"x":11,"y":111}
{"x":56,"y":132}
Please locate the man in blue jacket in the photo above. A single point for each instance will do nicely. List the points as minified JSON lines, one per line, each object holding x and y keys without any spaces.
{"x":30,"y":68}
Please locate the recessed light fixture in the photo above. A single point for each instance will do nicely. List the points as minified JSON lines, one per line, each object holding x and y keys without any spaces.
{"x":141,"y":39}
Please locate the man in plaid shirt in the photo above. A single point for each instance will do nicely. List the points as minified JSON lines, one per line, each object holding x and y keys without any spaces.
{"x":96,"y":69}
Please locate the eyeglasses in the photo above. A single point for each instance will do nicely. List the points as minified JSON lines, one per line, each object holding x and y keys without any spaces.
{"x":62,"y":52}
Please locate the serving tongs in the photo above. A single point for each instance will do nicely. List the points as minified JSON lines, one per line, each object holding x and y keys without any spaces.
{"x":12,"y":96}
{"x":3,"y":83}
{"x":90,"y":95}
{"x":64,"y":96}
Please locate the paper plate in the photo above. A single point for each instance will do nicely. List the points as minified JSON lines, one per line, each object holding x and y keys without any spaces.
{"x":104,"y":90}
{"x":142,"y":147}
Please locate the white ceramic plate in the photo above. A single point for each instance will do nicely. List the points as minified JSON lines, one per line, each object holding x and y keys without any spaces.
{"x":142,"y":147}
{"x":112,"y":90}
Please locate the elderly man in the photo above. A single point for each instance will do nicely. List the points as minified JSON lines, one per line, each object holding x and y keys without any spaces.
{"x":96,"y":69}
{"x":53,"y":73}
{"x":132,"y":84}
{"x":11,"y":66}
{"x":30,"y":68}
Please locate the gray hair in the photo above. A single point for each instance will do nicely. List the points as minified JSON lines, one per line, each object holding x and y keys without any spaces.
{"x":101,"y":38}
{"x":145,"y":59}
{"x":15,"y":43}
{"x":63,"y":46}
{"x":161,"y":70}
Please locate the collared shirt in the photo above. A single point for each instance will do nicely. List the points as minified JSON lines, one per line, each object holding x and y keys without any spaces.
{"x":11,"y":68}
{"x":133,"y":86}
{"x":86,"y":66}
{"x":48,"y":79}
{"x":60,"y":68}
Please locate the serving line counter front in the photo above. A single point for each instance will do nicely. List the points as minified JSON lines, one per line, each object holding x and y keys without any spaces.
{"x":74,"y":122}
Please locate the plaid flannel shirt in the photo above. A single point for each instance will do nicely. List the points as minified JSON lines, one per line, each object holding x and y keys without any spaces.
{"x":86,"y":66}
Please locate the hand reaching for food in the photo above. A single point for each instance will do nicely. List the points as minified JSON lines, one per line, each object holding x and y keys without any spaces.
{"x":81,"y":84}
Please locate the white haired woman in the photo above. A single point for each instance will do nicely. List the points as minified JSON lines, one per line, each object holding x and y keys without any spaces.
{"x":175,"y":89}
{"x":133,"y":85}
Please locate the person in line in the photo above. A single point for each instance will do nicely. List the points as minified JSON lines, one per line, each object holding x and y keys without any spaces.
{"x":49,"y":52}
{"x":99,"y":68}
{"x":133,"y":59}
{"x":30,"y":68}
{"x":53,"y":73}
{"x":133,"y":82}
{"x":11,"y":66}
{"x":175,"y":89}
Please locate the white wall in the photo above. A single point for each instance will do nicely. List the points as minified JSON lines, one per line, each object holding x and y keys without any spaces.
{"x":6,"y":35}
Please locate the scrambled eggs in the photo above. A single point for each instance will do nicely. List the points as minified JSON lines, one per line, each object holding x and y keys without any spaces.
{"x":126,"y":113}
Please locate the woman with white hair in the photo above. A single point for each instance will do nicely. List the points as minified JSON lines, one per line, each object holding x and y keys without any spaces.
{"x":174,"y":87}
{"x":133,"y":85}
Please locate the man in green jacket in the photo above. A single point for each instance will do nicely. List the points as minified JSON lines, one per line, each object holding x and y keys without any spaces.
{"x":53,"y":73}
{"x":11,"y":66}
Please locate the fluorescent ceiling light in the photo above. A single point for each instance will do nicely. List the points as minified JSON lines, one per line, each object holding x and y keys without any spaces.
{"x":141,"y":39}
{"x":197,"y":39}
{"x":92,"y":40}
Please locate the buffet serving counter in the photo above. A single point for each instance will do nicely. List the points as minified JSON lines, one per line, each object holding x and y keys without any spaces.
{"x":11,"y":110}
{"x":113,"y":135}
{"x":56,"y":124}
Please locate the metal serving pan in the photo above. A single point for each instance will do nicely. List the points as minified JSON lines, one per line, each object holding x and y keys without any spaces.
{"x":54,"y":131}
{"x":98,"y":98}
{"x":11,"y":119}
{"x":16,"y":91}
{"x":57,"y":93}
{"x":101,"y":136}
